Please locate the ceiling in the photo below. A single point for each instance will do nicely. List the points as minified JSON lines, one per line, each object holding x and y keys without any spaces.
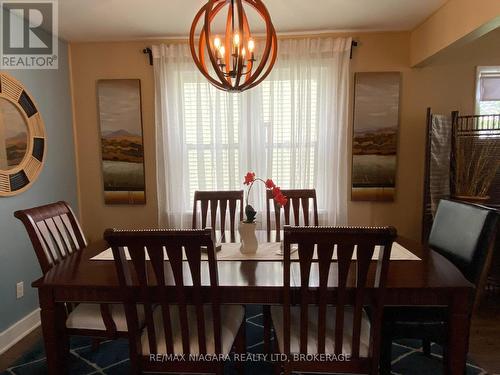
{"x":100,"y":20}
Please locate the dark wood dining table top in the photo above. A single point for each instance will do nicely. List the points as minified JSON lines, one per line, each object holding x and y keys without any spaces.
{"x":432,"y":272}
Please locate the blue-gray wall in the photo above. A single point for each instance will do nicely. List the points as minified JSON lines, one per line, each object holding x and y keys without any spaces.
{"x":57,"y":181}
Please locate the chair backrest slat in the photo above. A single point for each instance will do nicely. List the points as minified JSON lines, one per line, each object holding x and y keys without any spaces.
{"x":218,"y":202}
{"x":305,"y":207}
{"x":181,"y":279}
{"x":193,"y":255}
{"x":296,"y":199}
{"x":54,"y":232}
{"x":325,"y":252}
{"x":341,"y":283}
{"x":63,"y":232}
{"x":344,"y":257}
{"x":362,"y":267}
{"x":175,"y":256}
{"x":306,"y":256}
{"x":56,"y":238}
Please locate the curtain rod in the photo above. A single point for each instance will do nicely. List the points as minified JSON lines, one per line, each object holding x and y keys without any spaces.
{"x":149,"y":51}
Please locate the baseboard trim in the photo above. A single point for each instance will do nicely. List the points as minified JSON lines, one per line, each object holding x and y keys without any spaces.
{"x":16,"y":332}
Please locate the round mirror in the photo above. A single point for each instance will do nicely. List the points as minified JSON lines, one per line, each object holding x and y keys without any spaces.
{"x":22,"y":138}
{"x":13,"y":135}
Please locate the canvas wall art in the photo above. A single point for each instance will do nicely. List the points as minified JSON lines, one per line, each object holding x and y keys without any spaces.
{"x":375,"y":135}
{"x":121,"y":141}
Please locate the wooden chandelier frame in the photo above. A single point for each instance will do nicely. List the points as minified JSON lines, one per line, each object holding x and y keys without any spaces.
{"x":242,"y":81}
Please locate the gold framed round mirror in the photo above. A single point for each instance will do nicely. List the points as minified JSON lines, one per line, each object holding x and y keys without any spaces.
{"x":22,"y":138}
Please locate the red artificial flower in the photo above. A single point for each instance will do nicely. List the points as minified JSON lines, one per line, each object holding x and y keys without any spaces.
{"x":249,"y":178}
{"x":270,"y":184}
{"x":281,"y":199}
{"x":277,"y":191}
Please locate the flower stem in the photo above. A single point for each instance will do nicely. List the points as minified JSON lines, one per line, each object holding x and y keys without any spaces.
{"x":250,"y":188}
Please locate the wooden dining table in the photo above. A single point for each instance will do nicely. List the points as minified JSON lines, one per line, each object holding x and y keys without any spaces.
{"x":432,"y":281}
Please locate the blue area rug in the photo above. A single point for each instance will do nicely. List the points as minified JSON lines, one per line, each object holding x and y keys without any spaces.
{"x":112,"y":356}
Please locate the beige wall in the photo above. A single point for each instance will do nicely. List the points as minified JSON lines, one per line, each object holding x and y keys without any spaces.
{"x":91,"y":62}
{"x":456,"y":21}
{"x":446,"y":85}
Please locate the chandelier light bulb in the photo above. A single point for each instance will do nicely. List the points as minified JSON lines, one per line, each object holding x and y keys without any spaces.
{"x":236,"y":39}
{"x":217,"y":42}
{"x":251,"y":45}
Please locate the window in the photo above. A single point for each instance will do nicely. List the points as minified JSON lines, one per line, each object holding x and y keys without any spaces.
{"x":211,"y":125}
{"x":212,"y":121}
{"x":291,"y":127}
{"x":488,"y":90}
{"x":291,"y":120}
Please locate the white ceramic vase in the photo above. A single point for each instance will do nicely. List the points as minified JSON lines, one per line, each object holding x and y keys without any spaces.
{"x":248,"y":238}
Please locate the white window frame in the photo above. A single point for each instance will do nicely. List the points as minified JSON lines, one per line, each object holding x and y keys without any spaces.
{"x":479,"y":71}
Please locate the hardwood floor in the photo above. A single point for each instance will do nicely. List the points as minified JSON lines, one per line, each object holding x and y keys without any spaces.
{"x":484,"y":344}
{"x":14,"y":353}
{"x":484,"y":338}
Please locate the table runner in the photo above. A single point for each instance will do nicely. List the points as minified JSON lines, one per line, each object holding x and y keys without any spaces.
{"x":271,"y":251}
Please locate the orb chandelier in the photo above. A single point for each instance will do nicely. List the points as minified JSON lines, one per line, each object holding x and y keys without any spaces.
{"x":233,"y":63}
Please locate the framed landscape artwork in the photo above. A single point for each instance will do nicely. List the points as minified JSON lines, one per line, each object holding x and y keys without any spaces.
{"x":119,"y":104}
{"x":375,"y":136}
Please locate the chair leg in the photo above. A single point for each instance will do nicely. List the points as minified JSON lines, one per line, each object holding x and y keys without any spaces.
{"x":277,"y":367}
{"x":240,"y":347}
{"x":266,"y":312}
{"x":134,"y":354}
{"x":95,"y":344}
{"x":386,"y":351}
{"x":426,"y":347}
{"x":64,"y":345}
{"x":445,"y":354}
{"x":286,"y":369}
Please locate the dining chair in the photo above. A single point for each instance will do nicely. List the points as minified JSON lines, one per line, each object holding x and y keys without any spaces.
{"x":182,"y":301}
{"x":326,"y":316}
{"x":55,"y":234}
{"x":223,"y":200}
{"x":296,"y":198}
{"x":465,"y":235}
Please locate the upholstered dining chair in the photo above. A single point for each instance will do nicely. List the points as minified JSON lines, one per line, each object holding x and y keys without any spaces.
{"x":224,"y":200}
{"x":464,"y":234}
{"x":183,"y":312}
{"x":55,"y":234}
{"x":297,"y":198}
{"x":327,"y":315}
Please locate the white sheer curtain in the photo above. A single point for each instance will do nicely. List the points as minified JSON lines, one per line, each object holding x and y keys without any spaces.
{"x":292,"y":128}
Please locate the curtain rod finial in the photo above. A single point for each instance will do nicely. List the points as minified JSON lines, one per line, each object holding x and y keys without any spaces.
{"x":149,"y":51}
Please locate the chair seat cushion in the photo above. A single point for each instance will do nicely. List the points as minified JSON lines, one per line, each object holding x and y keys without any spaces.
{"x":231,"y":319}
{"x":312,"y":332}
{"x":88,"y":316}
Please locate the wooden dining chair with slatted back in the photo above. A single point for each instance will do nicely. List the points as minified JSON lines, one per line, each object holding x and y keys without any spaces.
{"x":56,"y":234}
{"x":183,"y":314}
{"x":327,"y":316}
{"x":222,"y":200}
{"x":297,"y":198}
